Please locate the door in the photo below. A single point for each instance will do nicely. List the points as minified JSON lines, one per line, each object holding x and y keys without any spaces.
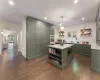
{"x":98,"y":33}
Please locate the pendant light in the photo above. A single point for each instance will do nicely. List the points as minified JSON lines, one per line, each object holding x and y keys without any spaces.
{"x":62,"y":24}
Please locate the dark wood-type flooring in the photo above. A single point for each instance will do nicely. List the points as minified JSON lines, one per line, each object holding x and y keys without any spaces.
{"x":15,"y":67}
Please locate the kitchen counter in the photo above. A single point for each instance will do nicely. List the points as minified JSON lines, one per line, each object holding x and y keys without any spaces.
{"x":58,"y":46}
{"x":93,"y":46}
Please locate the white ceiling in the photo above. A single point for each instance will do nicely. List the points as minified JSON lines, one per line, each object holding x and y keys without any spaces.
{"x":52,"y":9}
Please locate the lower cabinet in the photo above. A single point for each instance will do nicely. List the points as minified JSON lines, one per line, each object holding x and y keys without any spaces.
{"x":95,"y":60}
{"x":82,"y":49}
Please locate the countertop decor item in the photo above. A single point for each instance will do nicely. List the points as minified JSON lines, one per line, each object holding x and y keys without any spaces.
{"x":62,"y":43}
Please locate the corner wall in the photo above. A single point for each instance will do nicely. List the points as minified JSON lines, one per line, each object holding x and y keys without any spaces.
{"x":22,"y":43}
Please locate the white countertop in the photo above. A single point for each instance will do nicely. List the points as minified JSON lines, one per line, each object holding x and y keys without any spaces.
{"x":95,"y":46}
{"x":58,"y":46}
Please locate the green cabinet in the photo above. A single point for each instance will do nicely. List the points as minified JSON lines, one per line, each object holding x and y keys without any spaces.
{"x":61,"y":58}
{"x":95,"y":60}
{"x":82,"y":49}
{"x":38,"y":37}
{"x":30,"y":37}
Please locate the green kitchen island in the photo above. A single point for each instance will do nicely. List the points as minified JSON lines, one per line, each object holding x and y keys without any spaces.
{"x":60,"y":55}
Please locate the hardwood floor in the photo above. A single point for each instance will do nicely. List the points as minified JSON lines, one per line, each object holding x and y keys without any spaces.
{"x":17,"y":68}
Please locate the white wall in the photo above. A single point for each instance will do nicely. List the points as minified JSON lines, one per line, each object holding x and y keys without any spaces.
{"x":77,"y":28}
{"x":5,"y":25}
{"x":9,"y":26}
{"x":23,"y":39}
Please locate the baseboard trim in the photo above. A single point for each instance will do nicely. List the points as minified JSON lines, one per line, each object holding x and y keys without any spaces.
{"x":35,"y":57}
{"x":95,"y":70}
{"x":83,"y":54}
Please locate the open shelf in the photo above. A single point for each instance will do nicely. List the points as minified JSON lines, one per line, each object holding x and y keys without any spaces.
{"x":55,"y":58}
{"x":87,"y":31}
{"x":55,"y":63}
{"x":57,"y":55}
{"x":60,"y":57}
{"x":86,"y":34}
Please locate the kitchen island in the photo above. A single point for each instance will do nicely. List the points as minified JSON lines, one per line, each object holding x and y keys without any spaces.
{"x":60,"y":55}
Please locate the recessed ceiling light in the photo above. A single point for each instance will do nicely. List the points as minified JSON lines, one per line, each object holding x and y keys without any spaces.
{"x":75,"y":1}
{"x":83,"y":19}
{"x":45,"y":18}
{"x":11,"y":3}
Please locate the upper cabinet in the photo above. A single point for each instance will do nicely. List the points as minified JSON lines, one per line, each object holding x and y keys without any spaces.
{"x":98,"y":16}
{"x":38,"y":37}
{"x":98,"y":26}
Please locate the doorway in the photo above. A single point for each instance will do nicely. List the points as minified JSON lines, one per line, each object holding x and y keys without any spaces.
{"x":9,"y":42}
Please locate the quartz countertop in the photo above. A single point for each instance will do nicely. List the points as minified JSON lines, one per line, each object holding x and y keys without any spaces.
{"x":95,"y":46}
{"x":58,"y":46}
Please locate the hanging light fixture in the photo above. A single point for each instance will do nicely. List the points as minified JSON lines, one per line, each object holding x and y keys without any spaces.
{"x":62,"y":24}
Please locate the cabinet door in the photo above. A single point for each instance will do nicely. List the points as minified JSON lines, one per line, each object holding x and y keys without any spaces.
{"x":47,"y":39}
{"x":81,"y":49}
{"x":95,"y":60}
{"x":98,"y":33}
{"x":43,"y":32}
{"x":40,"y":34}
{"x":51,"y":30}
{"x":30,"y":32}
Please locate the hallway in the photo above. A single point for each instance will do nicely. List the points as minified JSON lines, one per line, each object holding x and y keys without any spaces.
{"x":11,"y":51}
{"x":9,"y":61}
